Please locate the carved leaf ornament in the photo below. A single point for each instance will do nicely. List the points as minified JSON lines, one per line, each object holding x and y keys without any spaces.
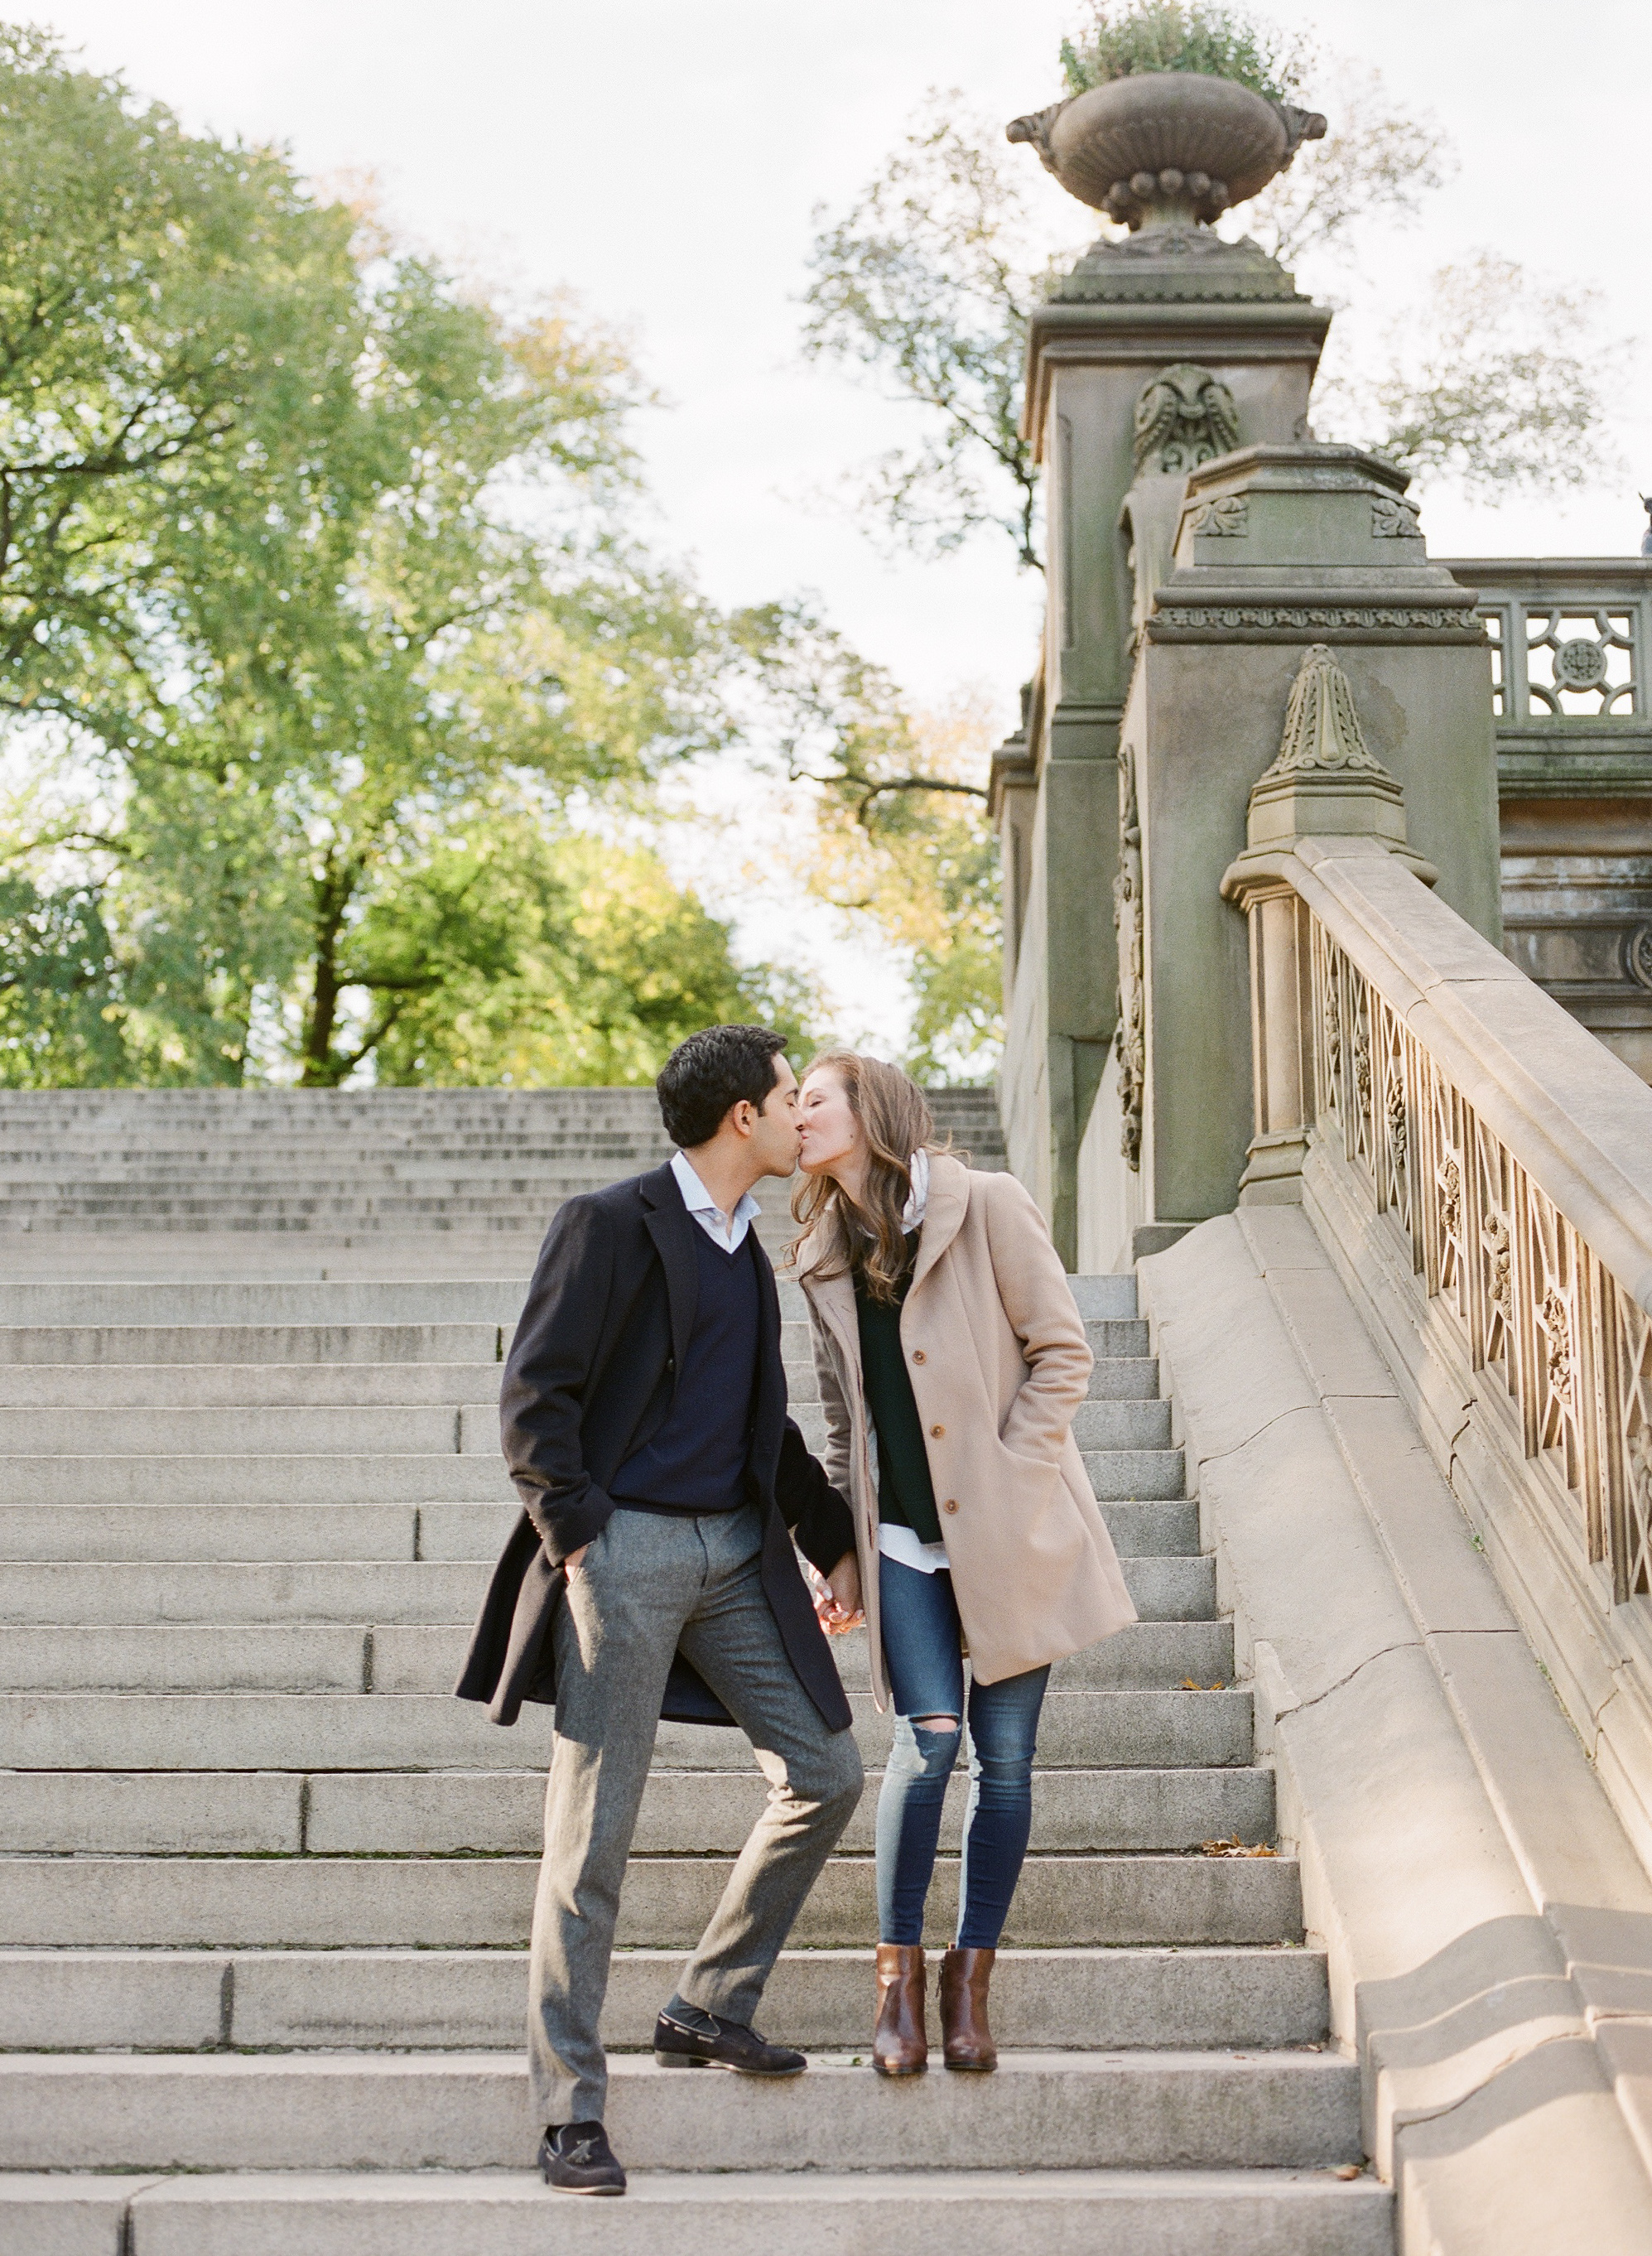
{"x":1186,"y":416}
{"x":1229,"y":516}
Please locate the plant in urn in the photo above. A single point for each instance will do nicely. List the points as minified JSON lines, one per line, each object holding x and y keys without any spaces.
{"x":1178,"y":112}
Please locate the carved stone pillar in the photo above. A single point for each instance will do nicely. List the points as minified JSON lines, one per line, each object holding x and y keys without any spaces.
{"x":1157,"y":355}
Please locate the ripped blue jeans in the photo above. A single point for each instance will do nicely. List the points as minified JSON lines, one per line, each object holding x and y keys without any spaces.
{"x":922,"y":1651}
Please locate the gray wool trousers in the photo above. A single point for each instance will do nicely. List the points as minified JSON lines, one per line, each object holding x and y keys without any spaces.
{"x":648,"y":1585}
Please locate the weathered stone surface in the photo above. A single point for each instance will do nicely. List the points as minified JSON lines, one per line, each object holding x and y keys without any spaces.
{"x":1460,"y":1861}
{"x":183,"y":2000}
{"x":1085,"y":2111}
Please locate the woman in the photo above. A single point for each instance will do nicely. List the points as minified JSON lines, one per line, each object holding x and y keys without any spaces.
{"x":951,"y":1359}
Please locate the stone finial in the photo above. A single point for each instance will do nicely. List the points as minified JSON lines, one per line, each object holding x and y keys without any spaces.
{"x":1322,"y":726}
{"x":1186,"y":416}
{"x":1326,"y":781}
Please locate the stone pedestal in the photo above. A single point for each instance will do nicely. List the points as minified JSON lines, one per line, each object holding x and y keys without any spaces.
{"x":1279,"y":548}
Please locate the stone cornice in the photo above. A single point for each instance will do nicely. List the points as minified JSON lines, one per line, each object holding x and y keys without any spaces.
{"x":1147,"y":335}
{"x":1217,"y":615}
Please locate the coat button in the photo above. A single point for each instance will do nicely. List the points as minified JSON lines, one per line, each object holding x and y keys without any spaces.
{"x":938,"y":1431}
{"x":918,"y":1356}
{"x":951,"y":1505}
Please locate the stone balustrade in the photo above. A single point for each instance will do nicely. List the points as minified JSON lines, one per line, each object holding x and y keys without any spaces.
{"x":1479,"y":1169}
{"x":1571,"y":640}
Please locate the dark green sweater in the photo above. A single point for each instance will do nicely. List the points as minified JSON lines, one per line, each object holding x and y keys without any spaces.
{"x":906,"y":1493}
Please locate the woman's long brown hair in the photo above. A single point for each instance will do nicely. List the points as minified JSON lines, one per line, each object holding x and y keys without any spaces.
{"x":866,"y":1236}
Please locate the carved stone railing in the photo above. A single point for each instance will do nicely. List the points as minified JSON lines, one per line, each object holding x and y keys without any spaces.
{"x":1571,"y":654}
{"x":1572,"y":637}
{"x":1480,"y":1171}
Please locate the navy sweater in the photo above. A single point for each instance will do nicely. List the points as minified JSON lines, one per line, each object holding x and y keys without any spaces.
{"x":695,"y":1460}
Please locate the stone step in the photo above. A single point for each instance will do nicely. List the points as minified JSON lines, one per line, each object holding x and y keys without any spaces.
{"x":391,"y":1588}
{"x":34,"y":1435}
{"x":155,"y":1439}
{"x":238,"y":1481}
{"x":1181,"y":2212}
{"x":348,"y":1528}
{"x":470,"y":2111}
{"x":130,"y":1208}
{"x":237,"y":1301}
{"x":1116,"y":1475}
{"x":163,"y":1388}
{"x":1125,"y":1378}
{"x":1116,"y":1337}
{"x":1102,"y":1297}
{"x":189,"y":2001}
{"x":306,"y":1730}
{"x":321,"y":1903}
{"x":321,"y":1164}
{"x":1160,"y":1529}
{"x":411,"y":1372}
{"x":454,"y":1812}
{"x":87,"y":1351}
{"x":1121,"y":1428}
{"x":77,"y":1654}
{"x":290,"y":1257}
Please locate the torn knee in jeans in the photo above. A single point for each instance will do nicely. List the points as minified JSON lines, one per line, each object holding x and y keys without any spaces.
{"x":937,"y":1724}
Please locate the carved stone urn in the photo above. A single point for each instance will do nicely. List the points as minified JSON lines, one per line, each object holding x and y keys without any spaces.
{"x":1166,"y":147}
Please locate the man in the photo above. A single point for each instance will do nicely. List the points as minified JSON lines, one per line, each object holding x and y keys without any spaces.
{"x":644,"y":1413}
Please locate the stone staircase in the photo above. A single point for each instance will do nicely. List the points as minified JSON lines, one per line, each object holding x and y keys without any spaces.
{"x":265,"y":1885}
{"x":325,"y":1183}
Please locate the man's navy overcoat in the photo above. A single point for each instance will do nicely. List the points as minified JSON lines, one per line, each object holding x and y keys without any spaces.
{"x":589,"y":1377}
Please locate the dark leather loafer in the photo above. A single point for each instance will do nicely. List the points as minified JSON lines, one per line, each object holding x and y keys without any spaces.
{"x":577,"y":2158}
{"x":685,"y":2037}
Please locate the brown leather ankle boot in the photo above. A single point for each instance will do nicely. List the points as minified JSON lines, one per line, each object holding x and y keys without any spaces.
{"x":965,"y":1977}
{"x":900,"y":2045}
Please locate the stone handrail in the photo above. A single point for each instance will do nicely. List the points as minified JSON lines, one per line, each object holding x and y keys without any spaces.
{"x":1480,"y":1169}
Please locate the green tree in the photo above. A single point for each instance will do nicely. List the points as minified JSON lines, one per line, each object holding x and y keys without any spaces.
{"x":924,"y":287}
{"x":900,"y":835}
{"x":316,"y":572}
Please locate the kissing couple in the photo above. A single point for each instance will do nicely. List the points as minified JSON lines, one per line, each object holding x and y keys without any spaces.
{"x":666,"y":1495}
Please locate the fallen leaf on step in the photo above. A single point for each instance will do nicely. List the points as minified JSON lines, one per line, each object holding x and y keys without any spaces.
{"x":1347,"y":2170}
{"x":1192,"y":1684}
{"x":1234,"y":1848}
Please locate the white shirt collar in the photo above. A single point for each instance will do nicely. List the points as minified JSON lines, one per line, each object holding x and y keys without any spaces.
{"x":707,"y":1213}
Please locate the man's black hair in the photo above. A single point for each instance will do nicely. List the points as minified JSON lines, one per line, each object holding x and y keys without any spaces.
{"x":710,"y":1072}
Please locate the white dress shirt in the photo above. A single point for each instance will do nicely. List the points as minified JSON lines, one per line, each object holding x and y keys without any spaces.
{"x":731,"y":1236}
{"x":903,"y":1544}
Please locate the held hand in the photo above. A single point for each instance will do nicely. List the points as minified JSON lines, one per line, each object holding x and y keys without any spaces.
{"x":840,"y":1609}
{"x":571,"y":1564}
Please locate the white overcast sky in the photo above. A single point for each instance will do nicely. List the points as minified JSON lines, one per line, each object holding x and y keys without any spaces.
{"x":664,"y":157}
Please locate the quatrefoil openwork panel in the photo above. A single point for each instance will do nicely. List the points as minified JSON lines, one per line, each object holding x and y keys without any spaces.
{"x":1579,"y":662}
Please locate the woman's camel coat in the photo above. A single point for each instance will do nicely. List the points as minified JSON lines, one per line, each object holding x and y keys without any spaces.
{"x":999,"y":1364}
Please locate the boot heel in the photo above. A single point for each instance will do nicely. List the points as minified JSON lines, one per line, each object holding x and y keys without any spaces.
{"x":678,"y":2059}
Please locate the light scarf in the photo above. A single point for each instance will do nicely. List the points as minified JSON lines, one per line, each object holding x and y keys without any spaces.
{"x":912,"y":1212}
